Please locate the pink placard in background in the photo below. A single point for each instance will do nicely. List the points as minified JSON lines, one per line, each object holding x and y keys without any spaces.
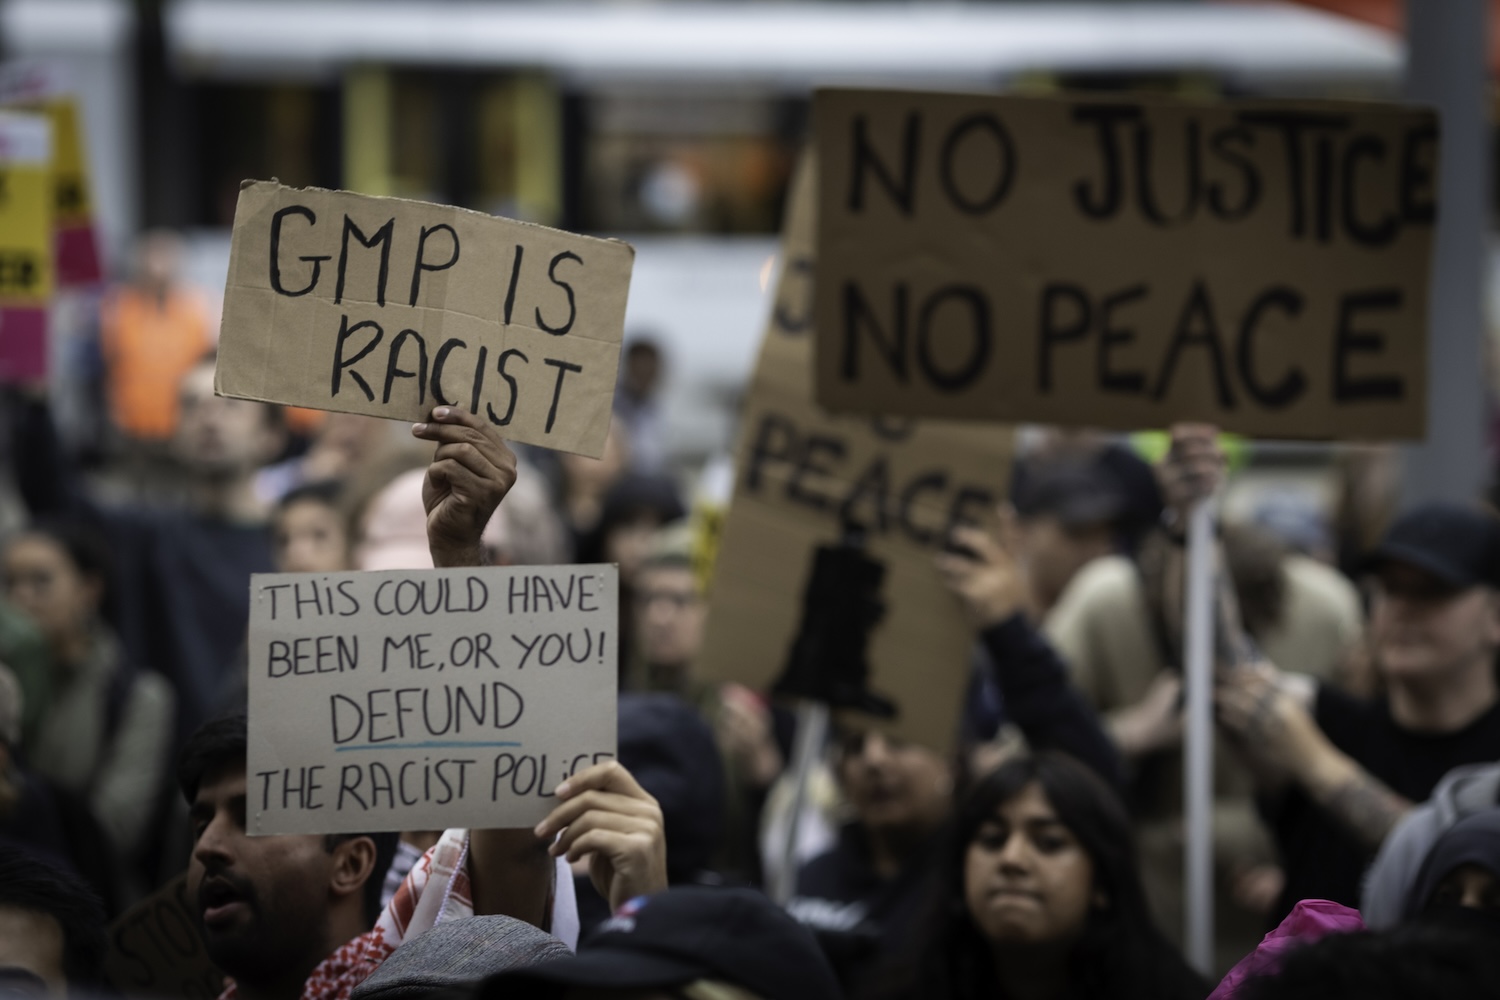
{"x":77,"y":255}
{"x":23,"y":343}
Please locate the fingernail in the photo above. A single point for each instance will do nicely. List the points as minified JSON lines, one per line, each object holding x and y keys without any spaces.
{"x":563,"y":791}
{"x":540,"y":829}
{"x":419,"y":428}
{"x":441,"y":412}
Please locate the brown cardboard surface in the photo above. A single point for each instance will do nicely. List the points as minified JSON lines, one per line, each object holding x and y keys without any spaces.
{"x":1259,"y":265}
{"x":155,"y":949}
{"x":798,"y":468}
{"x":426,"y":699}
{"x":543,"y":309}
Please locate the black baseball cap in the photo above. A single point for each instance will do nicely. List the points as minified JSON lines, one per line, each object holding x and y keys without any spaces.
{"x":1457,"y":545}
{"x":682,"y":936}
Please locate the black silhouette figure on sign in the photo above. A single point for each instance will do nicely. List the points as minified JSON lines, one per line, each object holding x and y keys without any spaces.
{"x":841,"y":606}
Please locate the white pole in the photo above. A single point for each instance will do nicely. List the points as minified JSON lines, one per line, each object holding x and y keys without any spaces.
{"x":1198,"y":745}
{"x":807,"y":748}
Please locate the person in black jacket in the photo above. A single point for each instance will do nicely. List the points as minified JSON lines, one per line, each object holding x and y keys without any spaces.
{"x":1028,"y":675}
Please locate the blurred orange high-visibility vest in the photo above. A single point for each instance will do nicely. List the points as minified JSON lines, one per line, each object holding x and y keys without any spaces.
{"x":148,"y":348}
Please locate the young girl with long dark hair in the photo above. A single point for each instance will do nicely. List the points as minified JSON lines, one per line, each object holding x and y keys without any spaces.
{"x":1037,"y":897}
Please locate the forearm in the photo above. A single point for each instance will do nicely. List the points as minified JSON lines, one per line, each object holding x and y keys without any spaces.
{"x":511,"y":874}
{"x":1361,"y":803}
{"x":1040,"y":699}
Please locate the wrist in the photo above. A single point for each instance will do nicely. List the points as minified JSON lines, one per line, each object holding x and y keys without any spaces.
{"x":1126,"y":735}
{"x":1320,"y":767}
{"x":445,"y":556}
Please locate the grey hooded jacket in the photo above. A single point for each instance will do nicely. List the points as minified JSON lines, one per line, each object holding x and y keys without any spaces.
{"x":1463,"y":791}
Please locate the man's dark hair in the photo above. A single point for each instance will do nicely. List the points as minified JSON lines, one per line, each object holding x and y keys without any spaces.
{"x":216,"y":744}
{"x":328,"y":492}
{"x":34,"y":885}
{"x":221,"y":743}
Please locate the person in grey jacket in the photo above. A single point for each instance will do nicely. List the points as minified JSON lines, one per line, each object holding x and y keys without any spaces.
{"x":1462,"y":792}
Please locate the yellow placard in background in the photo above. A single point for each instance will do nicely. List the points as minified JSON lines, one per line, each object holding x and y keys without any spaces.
{"x":26,"y":209}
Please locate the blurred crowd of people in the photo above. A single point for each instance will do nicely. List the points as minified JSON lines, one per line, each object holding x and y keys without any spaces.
{"x":1356,"y":820}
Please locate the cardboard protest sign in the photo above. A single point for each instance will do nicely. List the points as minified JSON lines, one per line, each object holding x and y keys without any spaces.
{"x":155,"y":950}
{"x":26,"y":269}
{"x":44,"y":88}
{"x":424,"y":699}
{"x":388,"y":307}
{"x":1126,"y":263}
{"x":801,"y":474}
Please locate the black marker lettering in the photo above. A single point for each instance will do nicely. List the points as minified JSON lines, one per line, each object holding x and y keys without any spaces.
{"x":1111,"y":337}
{"x":515,"y":276}
{"x":1293,"y":383}
{"x":892,"y":348}
{"x":1372,"y":148}
{"x":339,"y":364}
{"x":563,"y":368}
{"x":1220,"y":145}
{"x":1004,"y":158}
{"x":1051,"y":330}
{"x":961,"y":377}
{"x":558,"y":331}
{"x":484,"y":356}
{"x":1106,"y":117}
{"x":796,"y":490}
{"x":440,"y":359}
{"x":316,"y":261}
{"x":862,"y":161}
{"x":1347,"y":341}
{"x":1143,"y":171}
{"x":392,"y":372}
{"x":1418,"y":193}
{"x":422,"y":265}
{"x":383,"y":237}
{"x":1196,"y":327}
{"x":775,"y":440}
{"x":510,"y":409}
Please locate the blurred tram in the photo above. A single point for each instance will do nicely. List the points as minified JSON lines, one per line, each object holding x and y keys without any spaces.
{"x":672,"y":125}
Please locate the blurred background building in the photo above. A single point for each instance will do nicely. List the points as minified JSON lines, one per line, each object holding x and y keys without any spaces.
{"x":673,"y":125}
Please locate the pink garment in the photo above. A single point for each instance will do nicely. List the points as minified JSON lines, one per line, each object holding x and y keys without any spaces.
{"x":1309,"y":920}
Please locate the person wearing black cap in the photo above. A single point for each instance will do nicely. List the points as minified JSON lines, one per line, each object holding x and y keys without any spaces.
{"x":693,"y":942}
{"x":1340,"y":776}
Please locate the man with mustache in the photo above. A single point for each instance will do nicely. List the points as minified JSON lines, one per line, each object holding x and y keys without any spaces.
{"x":290,"y":917}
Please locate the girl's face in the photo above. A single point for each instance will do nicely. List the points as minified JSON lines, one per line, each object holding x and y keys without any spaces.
{"x":42,"y":581}
{"x":1027,"y":879}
